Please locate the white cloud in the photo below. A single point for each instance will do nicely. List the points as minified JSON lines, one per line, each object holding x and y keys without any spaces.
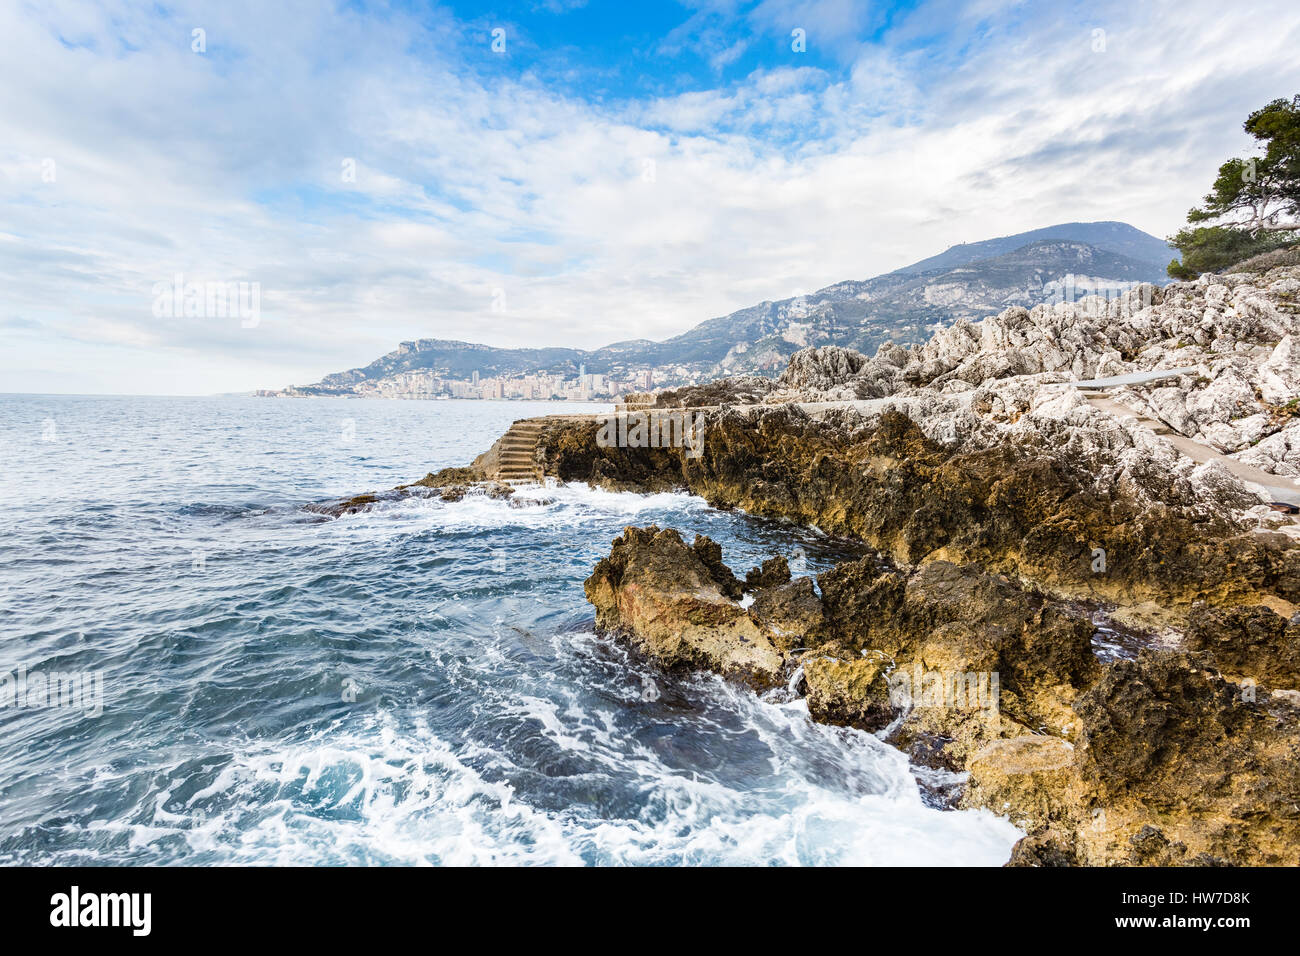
{"x":226,"y":166}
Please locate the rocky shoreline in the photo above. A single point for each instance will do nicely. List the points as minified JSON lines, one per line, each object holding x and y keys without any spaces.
{"x":1010,"y":483}
{"x":1170,"y":757}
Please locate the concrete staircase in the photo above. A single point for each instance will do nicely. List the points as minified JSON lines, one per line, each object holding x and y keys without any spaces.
{"x":516,"y":462}
{"x":512,"y":456}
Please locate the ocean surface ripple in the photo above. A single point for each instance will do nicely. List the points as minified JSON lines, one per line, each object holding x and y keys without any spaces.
{"x":416,"y":684}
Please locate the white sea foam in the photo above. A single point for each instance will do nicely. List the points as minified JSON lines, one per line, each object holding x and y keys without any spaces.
{"x":531,"y":507}
{"x":395,"y":793}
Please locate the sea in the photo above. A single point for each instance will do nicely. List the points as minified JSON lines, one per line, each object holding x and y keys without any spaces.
{"x":195,"y":669}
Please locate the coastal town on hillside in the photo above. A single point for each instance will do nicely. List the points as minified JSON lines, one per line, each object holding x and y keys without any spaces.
{"x":427,"y":384}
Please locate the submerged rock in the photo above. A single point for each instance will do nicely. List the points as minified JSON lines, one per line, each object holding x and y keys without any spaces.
{"x":449,"y":484}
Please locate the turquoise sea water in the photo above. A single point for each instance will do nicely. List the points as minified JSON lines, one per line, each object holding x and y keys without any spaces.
{"x":420,"y":683}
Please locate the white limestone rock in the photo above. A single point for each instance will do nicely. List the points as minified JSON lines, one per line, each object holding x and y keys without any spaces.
{"x":1279,"y":377}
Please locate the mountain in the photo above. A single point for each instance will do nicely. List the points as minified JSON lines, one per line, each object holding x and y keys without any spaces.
{"x":971,"y":280}
{"x":450,"y":359}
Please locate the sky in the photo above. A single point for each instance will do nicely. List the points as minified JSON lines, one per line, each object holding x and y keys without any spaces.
{"x":560,"y":172}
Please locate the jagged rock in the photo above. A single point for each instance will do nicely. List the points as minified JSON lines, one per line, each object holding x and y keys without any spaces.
{"x":774,"y":572}
{"x":709,"y":553}
{"x":959,"y":621}
{"x":1220,"y":327}
{"x":671,"y":600}
{"x":851,"y":691}
{"x":1044,"y":847}
{"x":994,"y":493}
{"x":1023,"y":778}
{"x":1229,"y":396}
{"x":821,"y":368}
{"x":892,"y":354}
{"x":1279,"y":453}
{"x":739,"y":390}
{"x":1157,"y":760}
{"x":1169,"y":405}
{"x":569,"y":451}
{"x":1239,"y":434}
{"x":1168,"y":742}
{"x":791,"y":613}
{"x":1174,"y":766}
{"x":1036,"y":497}
{"x":447,"y":477}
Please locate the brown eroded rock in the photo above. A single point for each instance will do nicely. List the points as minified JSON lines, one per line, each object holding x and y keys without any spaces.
{"x":1154,"y":760}
{"x":1024,"y":778}
{"x":1249,"y":643}
{"x":959,"y":622}
{"x":773,"y":573}
{"x":569,"y":451}
{"x":1174,"y":766}
{"x":678,"y":604}
{"x":965,"y":656}
{"x":792,"y":613}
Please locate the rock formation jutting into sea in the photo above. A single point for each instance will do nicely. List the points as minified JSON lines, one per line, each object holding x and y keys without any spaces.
{"x":1083,"y":587}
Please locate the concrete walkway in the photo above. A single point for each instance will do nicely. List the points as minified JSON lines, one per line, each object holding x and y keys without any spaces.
{"x":1274,"y":487}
